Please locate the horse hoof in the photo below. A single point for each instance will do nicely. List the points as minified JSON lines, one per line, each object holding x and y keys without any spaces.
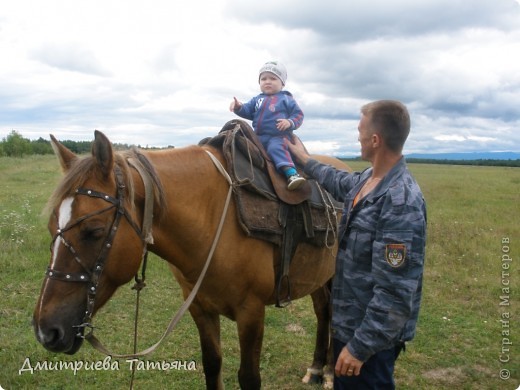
{"x":313,"y":376}
{"x":328,"y":381}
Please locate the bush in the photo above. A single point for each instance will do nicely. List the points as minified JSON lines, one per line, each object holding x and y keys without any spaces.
{"x":14,"y":145}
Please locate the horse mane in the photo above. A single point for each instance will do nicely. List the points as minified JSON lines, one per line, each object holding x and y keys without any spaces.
{"x":84,"y":167}
{"x":158,"y":189}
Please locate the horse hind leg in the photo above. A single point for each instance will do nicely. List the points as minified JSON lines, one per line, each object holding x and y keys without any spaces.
{"x":321,"y":370}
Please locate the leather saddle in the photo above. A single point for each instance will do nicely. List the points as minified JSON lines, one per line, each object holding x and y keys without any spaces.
{"x":267,"y":210}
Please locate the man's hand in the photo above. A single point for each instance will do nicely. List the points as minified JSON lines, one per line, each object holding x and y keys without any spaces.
{"x":298,"y":150}
{"x":347,"y":364}
{"x":235,"y":105}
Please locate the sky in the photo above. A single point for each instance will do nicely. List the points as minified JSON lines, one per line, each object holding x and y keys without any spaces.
{"x":162,"y":73}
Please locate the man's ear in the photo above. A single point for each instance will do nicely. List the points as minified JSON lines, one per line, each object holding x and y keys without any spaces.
{"x":377,"y":141}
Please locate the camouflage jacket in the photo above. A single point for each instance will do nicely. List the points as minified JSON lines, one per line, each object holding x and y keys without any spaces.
{"x":379,"y":266}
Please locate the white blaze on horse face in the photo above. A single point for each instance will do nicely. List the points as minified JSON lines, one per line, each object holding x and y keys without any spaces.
{"x":65,"y":214}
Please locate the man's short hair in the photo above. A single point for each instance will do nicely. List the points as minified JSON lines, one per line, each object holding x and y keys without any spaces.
{"x":391,"y":120}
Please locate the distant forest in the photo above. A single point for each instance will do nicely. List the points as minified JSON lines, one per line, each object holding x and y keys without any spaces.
{"x":478,"y":162}
{"x":15,"y":145}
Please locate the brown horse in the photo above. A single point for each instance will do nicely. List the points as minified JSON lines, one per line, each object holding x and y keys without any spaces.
{"x":96,"y":220}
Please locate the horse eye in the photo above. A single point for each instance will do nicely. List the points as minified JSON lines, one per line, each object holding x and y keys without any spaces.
{"x":93,"y":233}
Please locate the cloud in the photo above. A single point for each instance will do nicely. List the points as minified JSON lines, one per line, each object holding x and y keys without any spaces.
{"x":450,"y":137}
{"x":70,"y":57}
{"x":361,"y":20}
{"x":163,"y":73}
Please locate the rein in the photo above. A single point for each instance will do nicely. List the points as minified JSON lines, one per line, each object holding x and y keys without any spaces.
{"x":92,"y":277}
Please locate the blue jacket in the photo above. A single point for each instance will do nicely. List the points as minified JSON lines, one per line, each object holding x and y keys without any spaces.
{"x":264,"y":110}
{"x":379,"y":266}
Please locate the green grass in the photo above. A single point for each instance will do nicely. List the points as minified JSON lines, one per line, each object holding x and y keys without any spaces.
{"x":458,"y":342}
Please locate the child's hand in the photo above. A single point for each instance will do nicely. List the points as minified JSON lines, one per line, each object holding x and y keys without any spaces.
{"x":283,"y":124}
{"x":235,"y":105}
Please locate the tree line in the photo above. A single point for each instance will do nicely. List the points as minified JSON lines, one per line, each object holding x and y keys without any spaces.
{"x":15,"y":145}
{"x":478,"y":162}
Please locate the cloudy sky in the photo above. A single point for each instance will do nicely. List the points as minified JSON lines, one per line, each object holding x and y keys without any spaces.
{"x":161,"y":72}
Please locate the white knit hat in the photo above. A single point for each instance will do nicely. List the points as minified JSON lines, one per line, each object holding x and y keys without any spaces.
{"x":276,"y":68}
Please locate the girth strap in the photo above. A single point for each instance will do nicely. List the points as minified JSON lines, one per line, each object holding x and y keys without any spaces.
{"x":292,"y":233}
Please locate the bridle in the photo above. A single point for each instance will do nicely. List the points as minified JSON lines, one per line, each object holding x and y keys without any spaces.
{"x":144,"y":233}
{"x":92,"y":276}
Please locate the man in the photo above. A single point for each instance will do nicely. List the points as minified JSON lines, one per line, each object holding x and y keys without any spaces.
{"x":377,"y":286}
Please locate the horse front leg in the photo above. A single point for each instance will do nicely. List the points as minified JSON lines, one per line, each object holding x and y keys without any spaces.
{"x":208,"y":325}
{"x":321,"y":370}
{"x":250,"y":324}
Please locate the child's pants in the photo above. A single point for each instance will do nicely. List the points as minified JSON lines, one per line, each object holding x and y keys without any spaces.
{"x":277,"y":150}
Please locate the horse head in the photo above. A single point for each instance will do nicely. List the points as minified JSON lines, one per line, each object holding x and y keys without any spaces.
{"x":96,"y":243}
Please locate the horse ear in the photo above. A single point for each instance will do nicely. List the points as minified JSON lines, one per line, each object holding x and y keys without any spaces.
{"x":65,"y":156}
{"x":102,"y":152}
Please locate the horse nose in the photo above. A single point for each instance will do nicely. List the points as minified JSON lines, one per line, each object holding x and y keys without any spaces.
{"x":51,"y":337}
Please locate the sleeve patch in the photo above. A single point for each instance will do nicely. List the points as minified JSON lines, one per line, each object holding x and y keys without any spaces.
{"x":395,"y":255}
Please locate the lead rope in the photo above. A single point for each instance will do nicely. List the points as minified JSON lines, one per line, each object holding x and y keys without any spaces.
{"x":148,"y":239}
{"x":138,"y":286}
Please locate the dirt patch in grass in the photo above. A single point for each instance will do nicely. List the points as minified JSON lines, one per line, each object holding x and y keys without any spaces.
{"x":295,"y":328}
{"x":446,"y":376}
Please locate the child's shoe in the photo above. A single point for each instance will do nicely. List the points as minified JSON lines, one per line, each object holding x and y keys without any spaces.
{"x":294,"y":182}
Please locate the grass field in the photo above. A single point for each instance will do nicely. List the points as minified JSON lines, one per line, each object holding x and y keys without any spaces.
{"x":463,"y":333}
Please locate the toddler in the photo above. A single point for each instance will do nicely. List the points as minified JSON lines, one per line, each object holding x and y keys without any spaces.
{"x":275,"y":114}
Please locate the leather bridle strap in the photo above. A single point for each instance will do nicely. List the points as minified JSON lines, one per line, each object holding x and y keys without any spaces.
{"x":107,"y":245}
{"x":182,"y":310}
{"x":91,"y":276}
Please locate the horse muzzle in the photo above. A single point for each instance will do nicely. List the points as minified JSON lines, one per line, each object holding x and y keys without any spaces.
{"x":57,"y":338}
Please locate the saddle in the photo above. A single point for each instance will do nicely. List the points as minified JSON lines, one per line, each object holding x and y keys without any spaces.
{"x":267,"y":210}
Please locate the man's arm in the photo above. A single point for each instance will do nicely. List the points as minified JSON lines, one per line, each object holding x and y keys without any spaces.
{"x":337,"y":182}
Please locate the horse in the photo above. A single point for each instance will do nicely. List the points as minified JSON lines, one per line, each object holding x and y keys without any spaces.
{"x":96,"y":222}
